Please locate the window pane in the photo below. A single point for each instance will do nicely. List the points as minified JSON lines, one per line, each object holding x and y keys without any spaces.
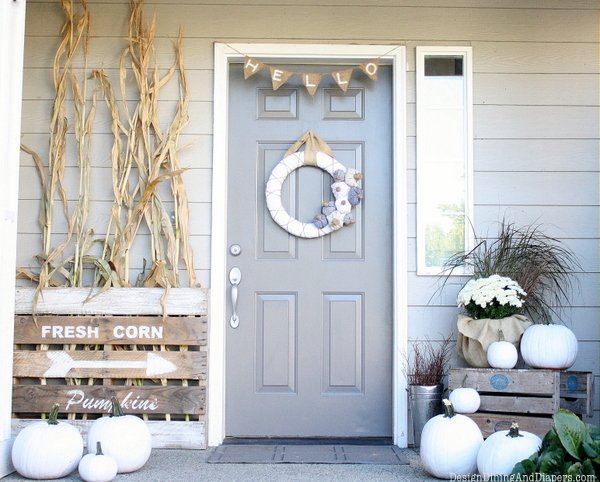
{"x":443,"y":157}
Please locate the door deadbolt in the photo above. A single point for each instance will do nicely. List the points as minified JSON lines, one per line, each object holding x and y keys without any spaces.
{"x":235,"y":249}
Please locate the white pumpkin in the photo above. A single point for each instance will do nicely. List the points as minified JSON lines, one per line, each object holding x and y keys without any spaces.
{"x":502,"y":354}
{"x":449,"y":444}
{"x":549,"y":346}
{"x":502,"y":450}
{"x":465,"y":400}
{"x":125,"y":438}
{"x":47,"y":449}
{"x":97,"y":467}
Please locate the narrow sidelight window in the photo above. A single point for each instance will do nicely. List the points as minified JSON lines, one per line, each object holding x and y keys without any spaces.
{"x":444,"y":107}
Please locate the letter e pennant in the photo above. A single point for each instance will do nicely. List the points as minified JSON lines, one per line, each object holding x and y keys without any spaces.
{"x":279,"y":77}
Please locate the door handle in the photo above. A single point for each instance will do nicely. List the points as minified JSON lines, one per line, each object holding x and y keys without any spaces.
{"x":235,"y":276}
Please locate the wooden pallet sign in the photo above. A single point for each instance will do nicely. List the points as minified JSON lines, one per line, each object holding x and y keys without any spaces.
{"x":155,"y":365}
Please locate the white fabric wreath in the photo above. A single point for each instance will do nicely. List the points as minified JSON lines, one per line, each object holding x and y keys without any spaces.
{"x":334,"y":214}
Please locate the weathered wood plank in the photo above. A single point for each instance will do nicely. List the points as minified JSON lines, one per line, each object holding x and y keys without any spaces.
{"x":120,"y":301}
{"x":96,"y":399}
{"x":543,"y":382}
{"x":110,"y":364}
{"x":165,"y":435}
{"x":517,"y":404}
{"x":145,"y":330}
{"x":489,"y":423}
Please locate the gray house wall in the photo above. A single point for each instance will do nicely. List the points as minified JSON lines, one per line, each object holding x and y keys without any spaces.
{"x":536,"y":117}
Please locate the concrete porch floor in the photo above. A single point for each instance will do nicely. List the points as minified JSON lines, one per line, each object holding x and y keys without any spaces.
{"x":190,"y":465}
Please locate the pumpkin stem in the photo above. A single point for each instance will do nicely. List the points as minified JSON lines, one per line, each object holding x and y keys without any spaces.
{"x":514,"y":431}
{"x":464,"y":380}
{"x":448,"y":408}
{"x":501,"y":335}
{"x":117,"y":411}
{"x":99,"y":448}
{"x":53,"y":417}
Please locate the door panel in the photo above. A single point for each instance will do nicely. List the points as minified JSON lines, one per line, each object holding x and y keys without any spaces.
{"x":312,"y":355}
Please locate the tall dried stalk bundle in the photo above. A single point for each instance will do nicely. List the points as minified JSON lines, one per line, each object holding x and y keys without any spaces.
{"x":542,"y":265}
{"x":428,"y":363}
{"x":56,"y":269}
{"x":143,"y":156}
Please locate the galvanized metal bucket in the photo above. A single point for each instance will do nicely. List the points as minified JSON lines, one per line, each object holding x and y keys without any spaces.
{"x":425,"y":403}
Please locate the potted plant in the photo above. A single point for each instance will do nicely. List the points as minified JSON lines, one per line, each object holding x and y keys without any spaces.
{"x":492,"y":305}
{"x":542,"y":266}
{"x":425,"y":369}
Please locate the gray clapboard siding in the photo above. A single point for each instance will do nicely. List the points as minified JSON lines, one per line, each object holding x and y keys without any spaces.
{"x":557,"y":155}
{"x":37,"y":85}
{"x":555,"y":189}
{"x":242,"y":21}
{"x":488,"y":4}
{"x":31,"y":245}
{"x":37,"y":112}
{"x":536,"y":89}
{"x":514,"y":122}
{"x":199,"y":181}
{"x":100,"y":213}
{"x":195,"y":149}
{"x":537,"y":57}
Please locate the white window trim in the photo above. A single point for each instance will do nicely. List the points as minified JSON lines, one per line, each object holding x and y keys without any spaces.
{"x":467,"y":54}
{"x":224,"y":55}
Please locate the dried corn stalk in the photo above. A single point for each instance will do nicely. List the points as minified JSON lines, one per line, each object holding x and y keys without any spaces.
{"x":142,"y":157}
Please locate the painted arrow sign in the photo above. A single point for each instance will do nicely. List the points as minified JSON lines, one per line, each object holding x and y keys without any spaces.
{"x":62,"y":364}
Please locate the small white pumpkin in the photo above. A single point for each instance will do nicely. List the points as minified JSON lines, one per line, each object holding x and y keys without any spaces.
{"x":125,"y":438}
{"x":97,"y":467}
{"x":549,"y":346}
{"x":465,"y":400}
{"x":502,"y":354}
{"x":47,"y":449}
{"x":502,"y":450}
{"x":449,"y":444}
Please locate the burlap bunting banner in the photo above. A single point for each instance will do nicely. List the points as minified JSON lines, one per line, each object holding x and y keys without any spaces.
{"x":310,"y":80}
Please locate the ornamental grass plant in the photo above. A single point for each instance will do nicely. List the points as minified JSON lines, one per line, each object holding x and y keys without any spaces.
{"x":427,"y":365}
{"x":542,"y":266}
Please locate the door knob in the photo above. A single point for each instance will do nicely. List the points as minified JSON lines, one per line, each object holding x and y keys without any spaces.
{"x":235,"y":276}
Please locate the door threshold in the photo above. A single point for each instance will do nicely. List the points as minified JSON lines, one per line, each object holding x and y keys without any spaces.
{"x":308,"y":441}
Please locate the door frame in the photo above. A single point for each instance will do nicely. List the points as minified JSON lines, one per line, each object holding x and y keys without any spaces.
{"x":224,"y":55}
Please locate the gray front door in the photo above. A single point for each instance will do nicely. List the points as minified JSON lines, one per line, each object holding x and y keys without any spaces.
{"x":312,"y":355}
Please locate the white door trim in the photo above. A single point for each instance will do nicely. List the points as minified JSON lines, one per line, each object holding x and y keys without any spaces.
{"x":12,"y":38}
{"x":224,"y":55}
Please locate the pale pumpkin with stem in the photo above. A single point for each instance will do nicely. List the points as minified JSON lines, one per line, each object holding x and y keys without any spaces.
{"x":502,"y":354}
{"x":502,"y":450}
{"x":97,"y":467}
{"x":125,"y":438}
{"x":47,"y":449}
{"x":465,"y":399}
{"x":449,"y":444}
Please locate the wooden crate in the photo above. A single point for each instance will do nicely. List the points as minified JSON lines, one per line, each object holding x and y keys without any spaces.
{"x":528,"y":397}
{"x":155,"y":365}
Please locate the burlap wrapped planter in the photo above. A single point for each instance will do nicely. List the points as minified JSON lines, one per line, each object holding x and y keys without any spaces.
{"x":474,"y":336}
